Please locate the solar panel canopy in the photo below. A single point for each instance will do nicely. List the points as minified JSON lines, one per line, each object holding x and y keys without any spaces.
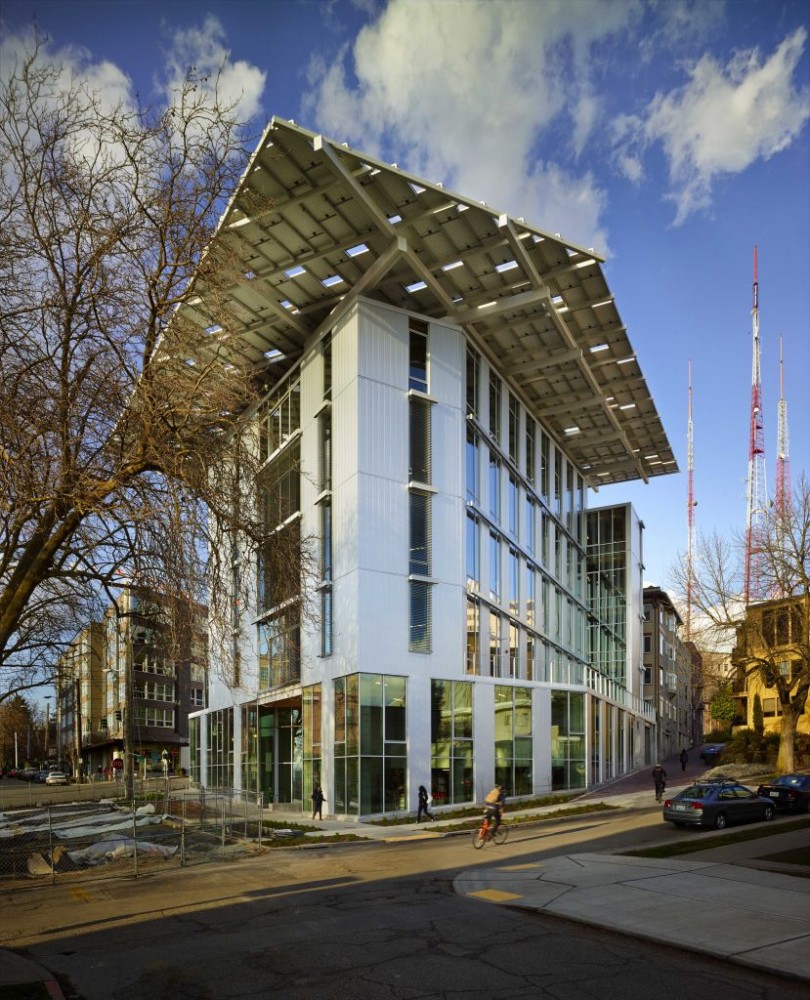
{"x":314,"y":224}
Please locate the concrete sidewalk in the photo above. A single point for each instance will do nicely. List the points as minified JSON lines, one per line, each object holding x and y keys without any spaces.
{"x":732,"y":911}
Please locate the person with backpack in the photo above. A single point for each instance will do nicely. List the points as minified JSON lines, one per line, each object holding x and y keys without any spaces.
{"x":495,"y":802}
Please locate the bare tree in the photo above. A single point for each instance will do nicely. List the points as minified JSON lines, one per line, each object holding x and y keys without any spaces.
{"x":119,"y":405}
{"x":769,"y":639}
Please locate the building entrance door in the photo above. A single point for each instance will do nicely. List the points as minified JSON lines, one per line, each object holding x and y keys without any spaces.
{"x":281,"y":756}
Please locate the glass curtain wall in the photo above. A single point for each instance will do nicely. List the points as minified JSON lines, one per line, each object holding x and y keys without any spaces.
{"x":451,"y":742}
{"x":312,"y":739}
{"x":370,"y":744}
{"x":250,"y":748}
{"x":567,"y":739}
{"x":220,"y":749}
{"x":513,"y":739}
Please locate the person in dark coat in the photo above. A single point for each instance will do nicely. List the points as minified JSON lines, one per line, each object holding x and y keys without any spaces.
{"x":684,"y":759}
{"x":317,"y":802}
{"x":423,"y":805}
{"x":659,"y":777}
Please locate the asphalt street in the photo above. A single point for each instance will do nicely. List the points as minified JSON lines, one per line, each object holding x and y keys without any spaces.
{"x":375,"y":920}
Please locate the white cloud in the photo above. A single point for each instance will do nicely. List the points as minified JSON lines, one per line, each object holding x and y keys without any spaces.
{"x":723,"y":120}
{"x":202,"y":51}
{"x":461,"y":92}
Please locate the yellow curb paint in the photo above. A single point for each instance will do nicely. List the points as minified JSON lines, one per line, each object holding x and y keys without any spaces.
{"x":519,"y":868}
{"x":495,"y":895}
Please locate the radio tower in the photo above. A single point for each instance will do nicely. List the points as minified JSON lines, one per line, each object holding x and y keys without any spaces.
{"x":756,"y":468}
{"x":690,"y":514}
{"x":783,"y":498}
{"x":783,"y":488}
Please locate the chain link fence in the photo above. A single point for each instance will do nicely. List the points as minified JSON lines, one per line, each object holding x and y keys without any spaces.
{"x":83,"y":837}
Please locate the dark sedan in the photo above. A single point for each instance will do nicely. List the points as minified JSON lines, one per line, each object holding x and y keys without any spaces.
{"x":790,"y":792}
{"x":717,"y":804}
{"x":711,"y":754}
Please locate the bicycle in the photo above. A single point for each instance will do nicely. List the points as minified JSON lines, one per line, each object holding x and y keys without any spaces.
{"x":484,"y":834}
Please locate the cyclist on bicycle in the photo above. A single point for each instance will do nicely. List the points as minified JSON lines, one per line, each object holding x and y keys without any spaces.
{"x":495,"y":803}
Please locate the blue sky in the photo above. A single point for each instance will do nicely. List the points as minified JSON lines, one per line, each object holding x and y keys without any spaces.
{"x":670,"y":136}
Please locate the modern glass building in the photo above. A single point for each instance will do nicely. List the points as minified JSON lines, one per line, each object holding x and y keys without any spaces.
{"x":446,"y":384}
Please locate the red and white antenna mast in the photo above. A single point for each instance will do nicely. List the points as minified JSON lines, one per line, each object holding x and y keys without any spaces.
{"x":690,"y":514}
{"x":757,"y":494}
{"x":783,"y":487}
{"x":783,"y":498}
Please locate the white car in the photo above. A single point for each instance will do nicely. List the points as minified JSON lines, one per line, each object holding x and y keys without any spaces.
{"x":56,"y":778}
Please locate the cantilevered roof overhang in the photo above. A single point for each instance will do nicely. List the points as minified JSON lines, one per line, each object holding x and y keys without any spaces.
{"x":315,"y":224}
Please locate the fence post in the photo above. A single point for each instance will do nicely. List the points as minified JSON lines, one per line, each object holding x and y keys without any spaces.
{"x":183,"y":834}
{"x":261,"y":817}
{"x":50,"y":846}
{"x":134,"y":839}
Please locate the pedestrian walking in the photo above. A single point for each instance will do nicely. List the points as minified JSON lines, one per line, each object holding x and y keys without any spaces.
{"x":317,"y":802}
{"x":659,"y":777}
{"x":423,"y":805}
{"x":684,"y":758}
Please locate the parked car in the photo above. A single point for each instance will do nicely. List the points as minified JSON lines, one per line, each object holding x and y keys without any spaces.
{"x":717,"y":804}
{"x":56,"y":778}
{"x":790,"y":792}
{"x":711,"y":753}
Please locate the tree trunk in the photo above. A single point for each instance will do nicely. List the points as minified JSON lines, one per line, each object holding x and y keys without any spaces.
{"x":785,"y":760}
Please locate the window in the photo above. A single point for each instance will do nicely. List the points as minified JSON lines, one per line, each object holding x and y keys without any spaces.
{"x":514,"y":428}
{"x":420,"y":617}
{"x":531,"y":583}
{"x":279,"y":417}
{"x":567,"y":740}
{"x":544,"y":465}
{"x":472,"y":473}
{"x":473,"y":379}
{"x":280,"y":649}
{"x":494,"y":486}
{"x":531,"y":468}
{"x":326,"y":621}
{"x":473,"y":636}
{"x":514,"y":499}
{"x":494,"y":645}
{"x":326,"y":351}
{"x":325,"y":450}
{"x":514,"y":582}
{"x":369,"y":751}
{"x":451,"y":738}
{"x":647,"y":643}
{"x":528,"y":523}
{"x":419,"y":533}
{"x":494,"y":406}
{"x":494,"y":567}
{"x":473,"y":556}
{"x":513,"y":739}
{"x":418,"y":369}
{"x":419,"y":441}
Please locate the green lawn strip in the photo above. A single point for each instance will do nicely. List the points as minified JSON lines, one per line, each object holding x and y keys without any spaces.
{"x":700,"y":844}
{"x":462,"y":813}
{"x":512,"y":820}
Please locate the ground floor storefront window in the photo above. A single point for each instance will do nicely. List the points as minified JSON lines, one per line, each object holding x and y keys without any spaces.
{"x":220,"y":749}
{"x":568,"y":739}
{"x":370,"y":744}
{"x":513,"y":739}
{"x":312,"y":774}
{"x":451,"y":742}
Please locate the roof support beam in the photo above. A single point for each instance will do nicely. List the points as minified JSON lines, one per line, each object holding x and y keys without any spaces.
{"x":526,"y":262}
{"x":319,"y":144}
